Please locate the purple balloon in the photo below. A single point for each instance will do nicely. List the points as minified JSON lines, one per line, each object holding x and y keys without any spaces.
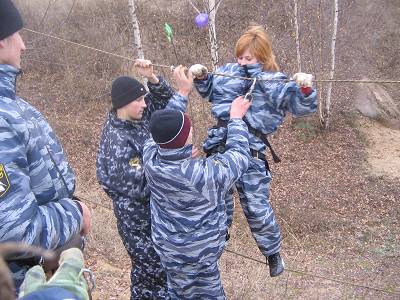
{"x":201,"y":20}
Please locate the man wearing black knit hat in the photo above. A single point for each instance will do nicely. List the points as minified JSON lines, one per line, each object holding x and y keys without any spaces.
{"x":36,"y":181}
{"x":188,"y":209}
{"x":120,"y":171}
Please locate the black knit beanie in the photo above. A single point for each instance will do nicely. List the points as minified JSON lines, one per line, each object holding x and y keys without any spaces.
{"x":170,"y":128}
{"x":124,"y":90}
{"x":10,"y":19}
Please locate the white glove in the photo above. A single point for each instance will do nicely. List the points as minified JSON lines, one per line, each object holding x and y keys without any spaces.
{"x":303,"y":79}
{"x":198,"y":70}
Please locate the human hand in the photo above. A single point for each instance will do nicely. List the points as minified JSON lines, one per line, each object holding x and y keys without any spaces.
{"x":195,"y":152}
{"x":303,"y":79}
{"x":87,"y":218}
{"x":239,"y":107}
{"x":145,"y":69}
{"x":184,"y":82}
{"x":198,"y":71}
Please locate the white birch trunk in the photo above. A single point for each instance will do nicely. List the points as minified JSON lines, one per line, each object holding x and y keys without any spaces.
{"x":327,"y":108}
{"x":296,"y":24}
{"x":212,"y":33}
{"x":136,"y":30}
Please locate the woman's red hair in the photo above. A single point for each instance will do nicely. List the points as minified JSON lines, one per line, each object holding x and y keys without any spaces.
{"x":256,"y":39}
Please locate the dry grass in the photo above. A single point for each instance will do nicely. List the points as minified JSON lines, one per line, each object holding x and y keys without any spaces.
{"x":336,"y":219}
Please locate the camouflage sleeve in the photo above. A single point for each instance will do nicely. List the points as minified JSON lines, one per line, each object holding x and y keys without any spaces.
{"x":178,"y":102}
{"x":214,"y":176}
{"x":296,"y":102}
{"x":205,"y":86}
{"x":23,"y":218}
{"x":159,"y":94}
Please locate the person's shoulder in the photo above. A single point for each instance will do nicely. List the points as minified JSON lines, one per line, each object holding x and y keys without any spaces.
{"x":9,"y":111}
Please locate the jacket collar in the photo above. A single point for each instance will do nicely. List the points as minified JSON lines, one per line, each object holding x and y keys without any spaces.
{"x":8,"y":77}
{"x":251,"y":70}
{"x":119,"y":123}
{"x":176,"y":154}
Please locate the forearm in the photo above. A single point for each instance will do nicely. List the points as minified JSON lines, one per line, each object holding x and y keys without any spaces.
{"x":160,"y":89}
{"x":48,"y":226}
{"x":178,"y":102}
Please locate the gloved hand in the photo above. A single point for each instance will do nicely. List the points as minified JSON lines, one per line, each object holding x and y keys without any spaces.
{"x":303,"y":79}
{"x":69,"y":276}
{"x":198,"y":71}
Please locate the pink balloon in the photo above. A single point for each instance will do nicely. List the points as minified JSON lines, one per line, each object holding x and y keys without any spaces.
{"x":201,"y":20}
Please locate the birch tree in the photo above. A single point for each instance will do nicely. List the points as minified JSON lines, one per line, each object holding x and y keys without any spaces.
{"x":135,"y":28}
{"x":296,"y":24}
{"x":327,"y":107}
{"x":213,"y":7}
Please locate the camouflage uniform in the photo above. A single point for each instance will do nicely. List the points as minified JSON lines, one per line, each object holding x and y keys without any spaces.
{"x":188,"y":211}
{"x":36,"y":180}
{"x":271,"y":101}
{"x":120,"y":172}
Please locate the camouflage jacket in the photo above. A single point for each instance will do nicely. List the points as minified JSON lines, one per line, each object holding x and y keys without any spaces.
{"x":188,"y":197}
{"x":36,"y":181}
{"x":271,"y":100}
{"x":119,"y":159}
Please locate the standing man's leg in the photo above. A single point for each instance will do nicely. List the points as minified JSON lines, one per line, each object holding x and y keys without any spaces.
{"x":148,"y":280}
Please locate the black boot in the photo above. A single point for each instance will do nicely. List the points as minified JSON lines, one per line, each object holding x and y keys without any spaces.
{"x":276,"y":264}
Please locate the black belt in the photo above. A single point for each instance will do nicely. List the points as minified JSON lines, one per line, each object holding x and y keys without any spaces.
{"x":260,"y":135}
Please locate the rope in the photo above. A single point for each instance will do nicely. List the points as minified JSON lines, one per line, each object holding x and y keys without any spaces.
{"x":94,"y":203}
{"x":213,"y":73}
{"x":345,"y":282}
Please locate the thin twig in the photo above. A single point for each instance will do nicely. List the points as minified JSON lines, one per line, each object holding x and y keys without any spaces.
{"x":191,"y":3}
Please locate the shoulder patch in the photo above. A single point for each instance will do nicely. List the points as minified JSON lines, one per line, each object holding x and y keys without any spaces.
{"x":4,"y":182}
{"x":134,"y":162}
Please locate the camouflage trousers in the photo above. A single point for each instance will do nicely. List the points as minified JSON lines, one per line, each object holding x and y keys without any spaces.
{"x":187,"y":282}
{"x":253,"y":188}
{"x":148,"y":280}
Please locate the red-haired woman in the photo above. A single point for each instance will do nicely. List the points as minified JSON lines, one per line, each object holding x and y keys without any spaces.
{"x":273,"y":95}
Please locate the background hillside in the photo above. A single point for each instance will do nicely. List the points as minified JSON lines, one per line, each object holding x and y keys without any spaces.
{"x":336,"y":192}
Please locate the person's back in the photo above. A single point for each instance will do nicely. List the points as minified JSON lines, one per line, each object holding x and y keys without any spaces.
{"x":188,"y":200}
